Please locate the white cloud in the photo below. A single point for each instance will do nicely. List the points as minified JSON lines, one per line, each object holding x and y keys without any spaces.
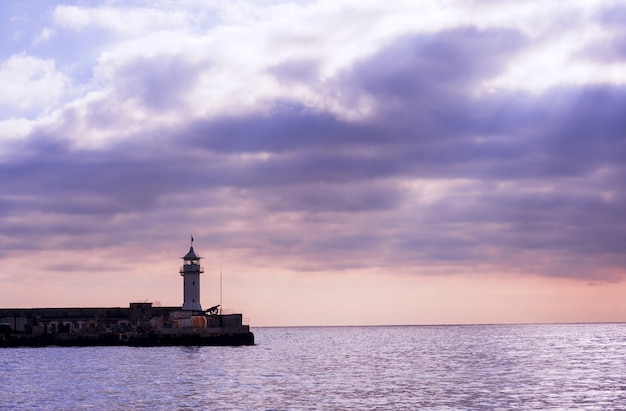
{"x":558,"y":32}
{"x":45,"y":35}
{"x":30,"y":83}
{"x":233,"y":57}
{"x":124,"y":21}
{"x":231,"y":47}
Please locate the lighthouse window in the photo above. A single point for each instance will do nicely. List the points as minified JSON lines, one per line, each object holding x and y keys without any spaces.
{"x":193,"y":283}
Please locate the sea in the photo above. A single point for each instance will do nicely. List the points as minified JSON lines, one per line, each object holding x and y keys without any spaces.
{"x":448,"y":367}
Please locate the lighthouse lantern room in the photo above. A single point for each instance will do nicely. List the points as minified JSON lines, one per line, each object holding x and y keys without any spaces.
{"x":190,"y":271}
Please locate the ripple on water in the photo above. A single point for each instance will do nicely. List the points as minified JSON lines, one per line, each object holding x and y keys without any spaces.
{"x":577,"y":366}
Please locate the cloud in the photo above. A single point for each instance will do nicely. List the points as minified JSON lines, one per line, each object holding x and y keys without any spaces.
{"x":303,"y":71}
{"x":30,"y":84}
{"x":129,"y":20}
{"x":159,"y":82}
{"x":440,"y":173}
{"x":448,"y":59}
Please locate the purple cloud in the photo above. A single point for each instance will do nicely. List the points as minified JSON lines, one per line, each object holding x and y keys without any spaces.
{"x":522,"y":173}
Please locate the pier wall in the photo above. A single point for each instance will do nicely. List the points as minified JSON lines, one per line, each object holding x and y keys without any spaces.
{"x":140,"y":322}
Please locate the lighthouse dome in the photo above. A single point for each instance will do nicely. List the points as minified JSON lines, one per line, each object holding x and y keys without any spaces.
{"x":191,"y":255}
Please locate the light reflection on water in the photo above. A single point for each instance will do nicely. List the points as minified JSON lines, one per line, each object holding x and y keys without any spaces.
{"x":578,"y":366}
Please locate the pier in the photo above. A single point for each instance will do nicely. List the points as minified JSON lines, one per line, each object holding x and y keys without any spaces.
{"x":140,"y":324}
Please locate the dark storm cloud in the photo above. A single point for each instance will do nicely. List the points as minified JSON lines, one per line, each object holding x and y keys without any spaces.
{"x":571,"y":219}
{"x":538,"y":173}
{"x":427,"y":128}
{"x":335,"y":198}
{"x":289,"y":129}
{"x":447,"y":61}
{"x":566,"y":132}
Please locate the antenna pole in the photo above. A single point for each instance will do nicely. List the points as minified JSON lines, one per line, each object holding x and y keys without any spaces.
{"x":220,"y":290}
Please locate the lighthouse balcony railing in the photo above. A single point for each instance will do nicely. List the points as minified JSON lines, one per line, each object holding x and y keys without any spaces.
{"x":191,"y":268}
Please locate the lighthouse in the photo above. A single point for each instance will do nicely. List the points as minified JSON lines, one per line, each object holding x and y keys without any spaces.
{"x":190,"y":271}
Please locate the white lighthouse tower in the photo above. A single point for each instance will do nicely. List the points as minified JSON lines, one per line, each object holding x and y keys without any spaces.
{"x":191,"y":271}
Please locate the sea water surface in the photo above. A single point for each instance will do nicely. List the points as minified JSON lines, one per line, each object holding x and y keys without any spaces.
{"x":481,"y":367}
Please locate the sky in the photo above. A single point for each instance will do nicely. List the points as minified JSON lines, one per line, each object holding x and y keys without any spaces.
{"x":359,"y":162}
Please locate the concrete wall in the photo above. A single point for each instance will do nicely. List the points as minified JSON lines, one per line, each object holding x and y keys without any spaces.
{"x":138,"y":317}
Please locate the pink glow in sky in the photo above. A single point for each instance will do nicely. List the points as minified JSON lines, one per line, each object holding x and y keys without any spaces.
{"x":354,"y":162}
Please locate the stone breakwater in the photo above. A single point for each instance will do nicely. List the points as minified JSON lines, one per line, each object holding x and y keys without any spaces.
{"x":141,"y":324}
